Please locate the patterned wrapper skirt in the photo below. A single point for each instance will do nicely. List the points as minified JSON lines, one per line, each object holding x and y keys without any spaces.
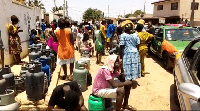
{"x":15,"y":45}
{"x":131,"y":65}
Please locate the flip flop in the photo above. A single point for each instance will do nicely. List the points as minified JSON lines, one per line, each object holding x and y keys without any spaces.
{"x":131,"y":108}
{"x":70,"y":77}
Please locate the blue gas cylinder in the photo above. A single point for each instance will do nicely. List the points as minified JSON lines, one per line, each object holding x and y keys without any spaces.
{"x":45,"y":68}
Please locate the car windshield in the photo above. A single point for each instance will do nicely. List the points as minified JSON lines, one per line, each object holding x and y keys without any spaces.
{"x":181,"y":34}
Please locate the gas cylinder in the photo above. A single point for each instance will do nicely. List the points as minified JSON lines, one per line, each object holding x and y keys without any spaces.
{"x":47,"y":56}
{"x":86,"y":54}
{"x":53,"y":60}
{"x":9,"y":77}
{"x":39,"y":51}
{"x":24,"y":70}
{"x":46,"y":83}
{"x":12,"y":107}
{"x":80,"y":75}
{"x":2,"y":83}
{"x":33,"y":55}
{"x":19,"y":84}
{"x":45,"y":68}
{"x":86,"y":60}
{"x":7,"y":98}
{"x":35,"y":84}
{"x":96,"y":103}
{"x":44,"y":45}
{"x":38,"y":45}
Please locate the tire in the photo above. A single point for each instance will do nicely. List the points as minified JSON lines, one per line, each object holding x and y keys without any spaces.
{"x":165,"y":61}
{"x":149,"y":51}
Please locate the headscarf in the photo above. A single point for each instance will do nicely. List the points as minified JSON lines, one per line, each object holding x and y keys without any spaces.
{"x":110,"y":63}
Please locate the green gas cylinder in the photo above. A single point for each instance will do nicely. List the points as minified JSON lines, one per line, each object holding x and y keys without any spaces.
{"x":96,"y":103}
{"x":80,"y":75}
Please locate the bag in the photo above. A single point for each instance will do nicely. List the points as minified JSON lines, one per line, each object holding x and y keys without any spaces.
{"x":98,"y":45}
{"x":53,"y":45}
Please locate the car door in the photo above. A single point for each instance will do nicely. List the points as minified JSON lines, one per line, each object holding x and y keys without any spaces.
{"x":157,"y":42}
{"x":183,"y":71}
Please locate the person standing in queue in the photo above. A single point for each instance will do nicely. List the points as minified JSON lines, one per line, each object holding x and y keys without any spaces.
{"x":131,"y":59}
{"x":110,"y":33}
{"x":14,"y":40}
{"x":145,"y":37}
{"x":103,"y":30}
{"x":65,"y":51}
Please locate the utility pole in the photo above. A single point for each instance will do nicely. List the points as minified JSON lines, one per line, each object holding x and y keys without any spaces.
{"x":108,"y":11}
{"x":144,"y":5}
{"x":192,"y":14}
{"x":64,"y":9}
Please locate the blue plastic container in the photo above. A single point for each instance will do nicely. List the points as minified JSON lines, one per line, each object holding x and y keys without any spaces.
{"x":45,"y":68}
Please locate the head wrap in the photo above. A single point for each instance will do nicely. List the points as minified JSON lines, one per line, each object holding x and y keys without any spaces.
{"x":110,"y":63}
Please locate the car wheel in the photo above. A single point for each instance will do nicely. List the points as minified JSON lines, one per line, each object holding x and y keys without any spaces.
{"x":165,"y":60}
{"x":149,"y":51}
{"x":175,"y":93}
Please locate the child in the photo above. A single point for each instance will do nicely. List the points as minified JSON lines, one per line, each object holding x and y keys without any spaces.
{"x":64,"y":37}
{"x":78,"y":39}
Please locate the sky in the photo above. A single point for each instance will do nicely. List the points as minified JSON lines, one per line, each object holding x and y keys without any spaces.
{"x":76,"y":8}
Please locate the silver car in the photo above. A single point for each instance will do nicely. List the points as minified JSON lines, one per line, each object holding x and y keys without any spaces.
{"x":187,"y":71}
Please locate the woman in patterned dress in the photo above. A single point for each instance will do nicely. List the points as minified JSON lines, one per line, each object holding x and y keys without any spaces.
{"x":14,"y":40}
{"x":131,"y":60}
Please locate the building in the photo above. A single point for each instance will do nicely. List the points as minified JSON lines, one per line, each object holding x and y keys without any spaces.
{"x":176,"y":11}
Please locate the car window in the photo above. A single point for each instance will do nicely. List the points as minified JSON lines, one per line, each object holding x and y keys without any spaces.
{"x":196,"y":69}
{"x":195,"y":33}
{"x":181,"y":34}
{"x":191,"y":52}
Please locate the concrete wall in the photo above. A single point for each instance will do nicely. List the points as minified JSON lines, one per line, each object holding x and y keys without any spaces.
{"x":25,"y":14}
{"x":166,"y":12}
{"x":185,"y":10}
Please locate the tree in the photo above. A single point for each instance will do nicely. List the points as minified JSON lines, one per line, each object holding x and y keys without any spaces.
{"x":92,"y":14}
{"x":54,"y":9}
{"x":36,"y":3}
{"x":135,"y":14}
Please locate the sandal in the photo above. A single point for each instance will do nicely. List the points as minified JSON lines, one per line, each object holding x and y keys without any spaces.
{"x":70,"y":77}
{"x":131,"y":108}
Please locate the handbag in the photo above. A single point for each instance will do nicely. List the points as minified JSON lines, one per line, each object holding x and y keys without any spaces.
{"x":53,"y":45}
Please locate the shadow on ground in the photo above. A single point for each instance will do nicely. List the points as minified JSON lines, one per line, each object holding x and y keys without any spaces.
{"x":173,"y":103}
{"x":159,"y":61}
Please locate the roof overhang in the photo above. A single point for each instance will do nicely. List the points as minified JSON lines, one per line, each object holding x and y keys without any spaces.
{"x":161,"y":1}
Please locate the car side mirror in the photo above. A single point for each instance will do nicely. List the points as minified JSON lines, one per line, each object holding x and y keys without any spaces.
{"x":190,"y":91}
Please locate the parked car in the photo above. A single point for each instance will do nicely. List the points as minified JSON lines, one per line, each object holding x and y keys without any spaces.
{"x":168,"y":40}
{"x":187,"y":70}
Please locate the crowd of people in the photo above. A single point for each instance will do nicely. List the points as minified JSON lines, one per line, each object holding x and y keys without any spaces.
{"x":64,"y":38}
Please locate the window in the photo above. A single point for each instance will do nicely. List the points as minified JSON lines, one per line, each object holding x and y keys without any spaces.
{"x":174,"y":6}
{"x":192,"y":51}
{"x":196,"y":5}
{"x":160,"y":7}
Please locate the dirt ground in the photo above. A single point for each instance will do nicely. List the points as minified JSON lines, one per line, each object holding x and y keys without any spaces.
{"x":154,"y":92}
